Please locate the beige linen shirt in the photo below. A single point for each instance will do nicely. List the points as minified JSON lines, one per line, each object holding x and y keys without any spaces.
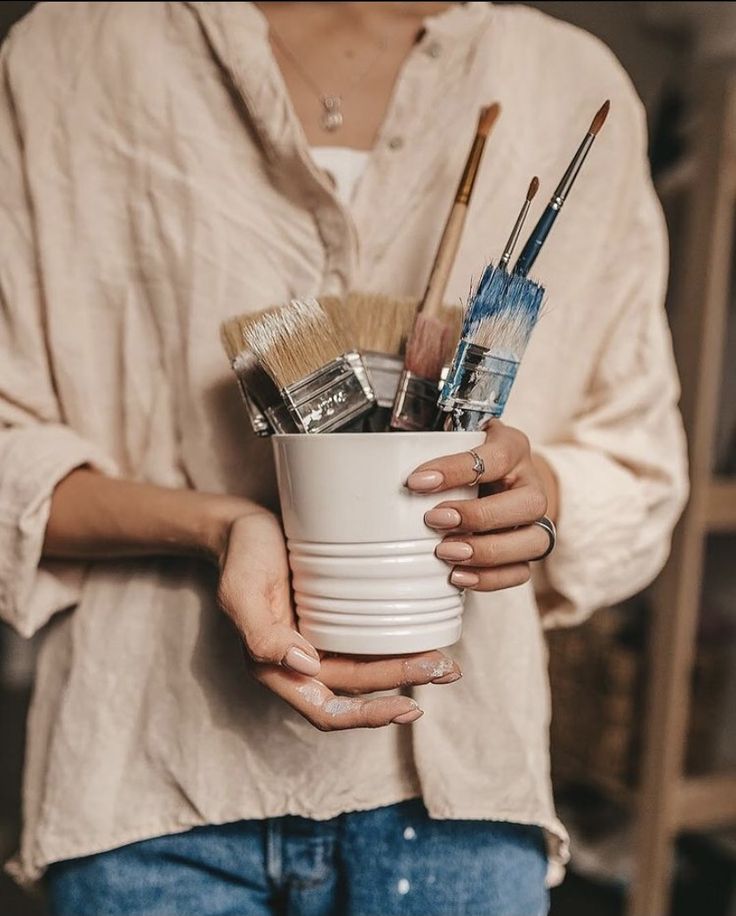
{"x":153,"y":181}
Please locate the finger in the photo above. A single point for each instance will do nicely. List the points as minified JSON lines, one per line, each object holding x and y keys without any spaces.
{"x":355,"y":675}
{"x":327,"y":712}
{"x":518,"y":506}
{"x":517,"y":546}
{"x":503,"y":450}
{"x":491,"y":580}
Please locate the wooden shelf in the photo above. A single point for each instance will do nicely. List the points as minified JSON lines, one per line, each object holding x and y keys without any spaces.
{"x":721,"y":505}
{"x":705,"y":802}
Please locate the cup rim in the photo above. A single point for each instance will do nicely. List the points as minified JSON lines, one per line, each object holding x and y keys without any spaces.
{"x":394,"y":434}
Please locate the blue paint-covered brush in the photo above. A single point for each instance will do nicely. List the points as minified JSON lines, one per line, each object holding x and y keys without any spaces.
{"x":498,"y":323}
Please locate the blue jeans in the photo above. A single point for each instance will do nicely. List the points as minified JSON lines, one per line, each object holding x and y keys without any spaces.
{"x":387,"y":861}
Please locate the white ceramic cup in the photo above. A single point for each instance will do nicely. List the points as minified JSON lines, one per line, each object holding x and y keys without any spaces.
{"x":365,"y":577}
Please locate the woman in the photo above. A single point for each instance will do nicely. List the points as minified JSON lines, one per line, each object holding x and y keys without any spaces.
{"x":160,"y":168}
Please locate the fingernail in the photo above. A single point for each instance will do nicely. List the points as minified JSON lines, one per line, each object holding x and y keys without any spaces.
{"x":448,"y":678}
{"x":442,"y":518}
{"x":406,"y":717}
{"x":298,"y":660}
{"x":463,"y":578}
{"x":454,"y":550}
{"x":425,"y":480}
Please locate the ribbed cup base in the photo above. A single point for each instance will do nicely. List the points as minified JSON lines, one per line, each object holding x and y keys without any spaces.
{"x":375,"y":599}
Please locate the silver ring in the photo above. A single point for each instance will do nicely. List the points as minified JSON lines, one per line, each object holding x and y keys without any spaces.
{"x":479,"y":466}
{"x":549,"y":527}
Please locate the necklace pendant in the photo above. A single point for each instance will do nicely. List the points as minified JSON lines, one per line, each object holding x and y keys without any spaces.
{"x":332,"y":118}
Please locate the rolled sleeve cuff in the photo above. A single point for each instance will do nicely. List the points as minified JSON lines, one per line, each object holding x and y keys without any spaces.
{"x":32,"y":462}
{"x":602,"y":512}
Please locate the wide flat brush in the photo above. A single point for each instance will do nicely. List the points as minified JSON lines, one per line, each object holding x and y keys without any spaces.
{"x":530,"y":251}
{"x":498,"y":324}
{"x":428,"y":345}
{"x":266,"y":410}
{"x":307,"y":353}
{"x":232,"y":344}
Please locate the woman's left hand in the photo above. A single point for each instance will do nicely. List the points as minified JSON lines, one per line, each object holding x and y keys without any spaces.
{"x":490,"y":541}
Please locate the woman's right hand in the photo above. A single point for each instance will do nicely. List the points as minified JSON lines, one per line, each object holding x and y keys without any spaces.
{"x":255,"y":592}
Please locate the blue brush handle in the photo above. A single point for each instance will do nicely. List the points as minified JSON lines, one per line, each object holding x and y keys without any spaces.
{"x":534,"y":244}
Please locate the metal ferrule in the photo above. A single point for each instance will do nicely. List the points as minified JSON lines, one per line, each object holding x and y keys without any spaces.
{"x":568,"y":179}
{"x":258,"y":422}
{"x":479,"y":383}
{"x":280,"y":419}
{"x":465,"y":187}
{"x":383,"y":371}
{"x":332,"y":397}
{"x":415,"y":408}
{"x":514,"y":237}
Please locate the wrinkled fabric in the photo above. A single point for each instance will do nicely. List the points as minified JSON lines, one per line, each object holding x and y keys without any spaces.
{"x":153,"y":181}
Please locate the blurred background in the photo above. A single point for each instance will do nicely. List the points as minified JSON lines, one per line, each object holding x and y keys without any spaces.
{"x":644,"y":694}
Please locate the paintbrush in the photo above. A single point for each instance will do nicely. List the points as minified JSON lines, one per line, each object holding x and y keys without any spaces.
{"x":520,"y":220}
{"x":382,"y":325}
{"x":307,"y":354}
{"x":266,"y":410}
{"x":232,"y":344}
{"x":530,"y":251}
{"x":497,"y":325}
{"x":427,"y":349}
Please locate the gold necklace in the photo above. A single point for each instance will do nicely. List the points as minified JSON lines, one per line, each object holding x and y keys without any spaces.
{"x":332,"y":117}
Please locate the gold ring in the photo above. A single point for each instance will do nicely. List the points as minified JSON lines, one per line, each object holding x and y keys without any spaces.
{"x":479,"y":466}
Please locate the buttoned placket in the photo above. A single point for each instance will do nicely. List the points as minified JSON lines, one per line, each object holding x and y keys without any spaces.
{"x":261,"y":86}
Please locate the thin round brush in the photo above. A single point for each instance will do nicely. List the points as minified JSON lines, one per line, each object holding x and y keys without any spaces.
{"x":428,"y":344}
{"x":309,"y":356}
{"x":518,"y":225}
{"x":530,"y":251}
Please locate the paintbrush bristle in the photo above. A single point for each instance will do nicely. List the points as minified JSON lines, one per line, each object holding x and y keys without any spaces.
{"x":600,"y":118}
{"x":231,"y":337}
{"x":382,"y":323}
{"x":503,"y":313}
{"x":453,"y":317}
{"x":427,"y":347}
{"x":533,"y":188}
{"x":487,"y":119}
{"x":293,"y":341}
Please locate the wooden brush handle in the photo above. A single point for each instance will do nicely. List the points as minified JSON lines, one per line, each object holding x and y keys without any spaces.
{"x":445,"y":258}
{"x":431,"y":303}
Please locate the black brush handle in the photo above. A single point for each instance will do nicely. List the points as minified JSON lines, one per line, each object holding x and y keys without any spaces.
{"x":531,"y":250}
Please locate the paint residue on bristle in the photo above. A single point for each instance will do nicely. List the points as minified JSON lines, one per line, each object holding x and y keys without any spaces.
{"x":427,"y":347}
{"x":503,"y":313}
{"x":294,"y":340}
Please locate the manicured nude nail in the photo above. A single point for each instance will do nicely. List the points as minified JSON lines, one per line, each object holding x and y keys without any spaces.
{"x":442,"y":518}
{"x":454,"y":550}
{"x":406,"y":717}
{"x":425,"y":480}
{"x":464,"y":578}
{"x":448,"y":678}
{"x":298,"y":660}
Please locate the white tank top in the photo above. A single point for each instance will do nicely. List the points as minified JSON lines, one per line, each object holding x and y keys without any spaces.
{"x":344,"y":165}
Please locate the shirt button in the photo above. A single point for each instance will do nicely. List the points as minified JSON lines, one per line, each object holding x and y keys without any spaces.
{"x":396,"y":142}
{"x":434,"y":49}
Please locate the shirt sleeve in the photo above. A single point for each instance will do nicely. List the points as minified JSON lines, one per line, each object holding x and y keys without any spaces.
{"x":622,"y":466}
{"x":37,"y":449}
